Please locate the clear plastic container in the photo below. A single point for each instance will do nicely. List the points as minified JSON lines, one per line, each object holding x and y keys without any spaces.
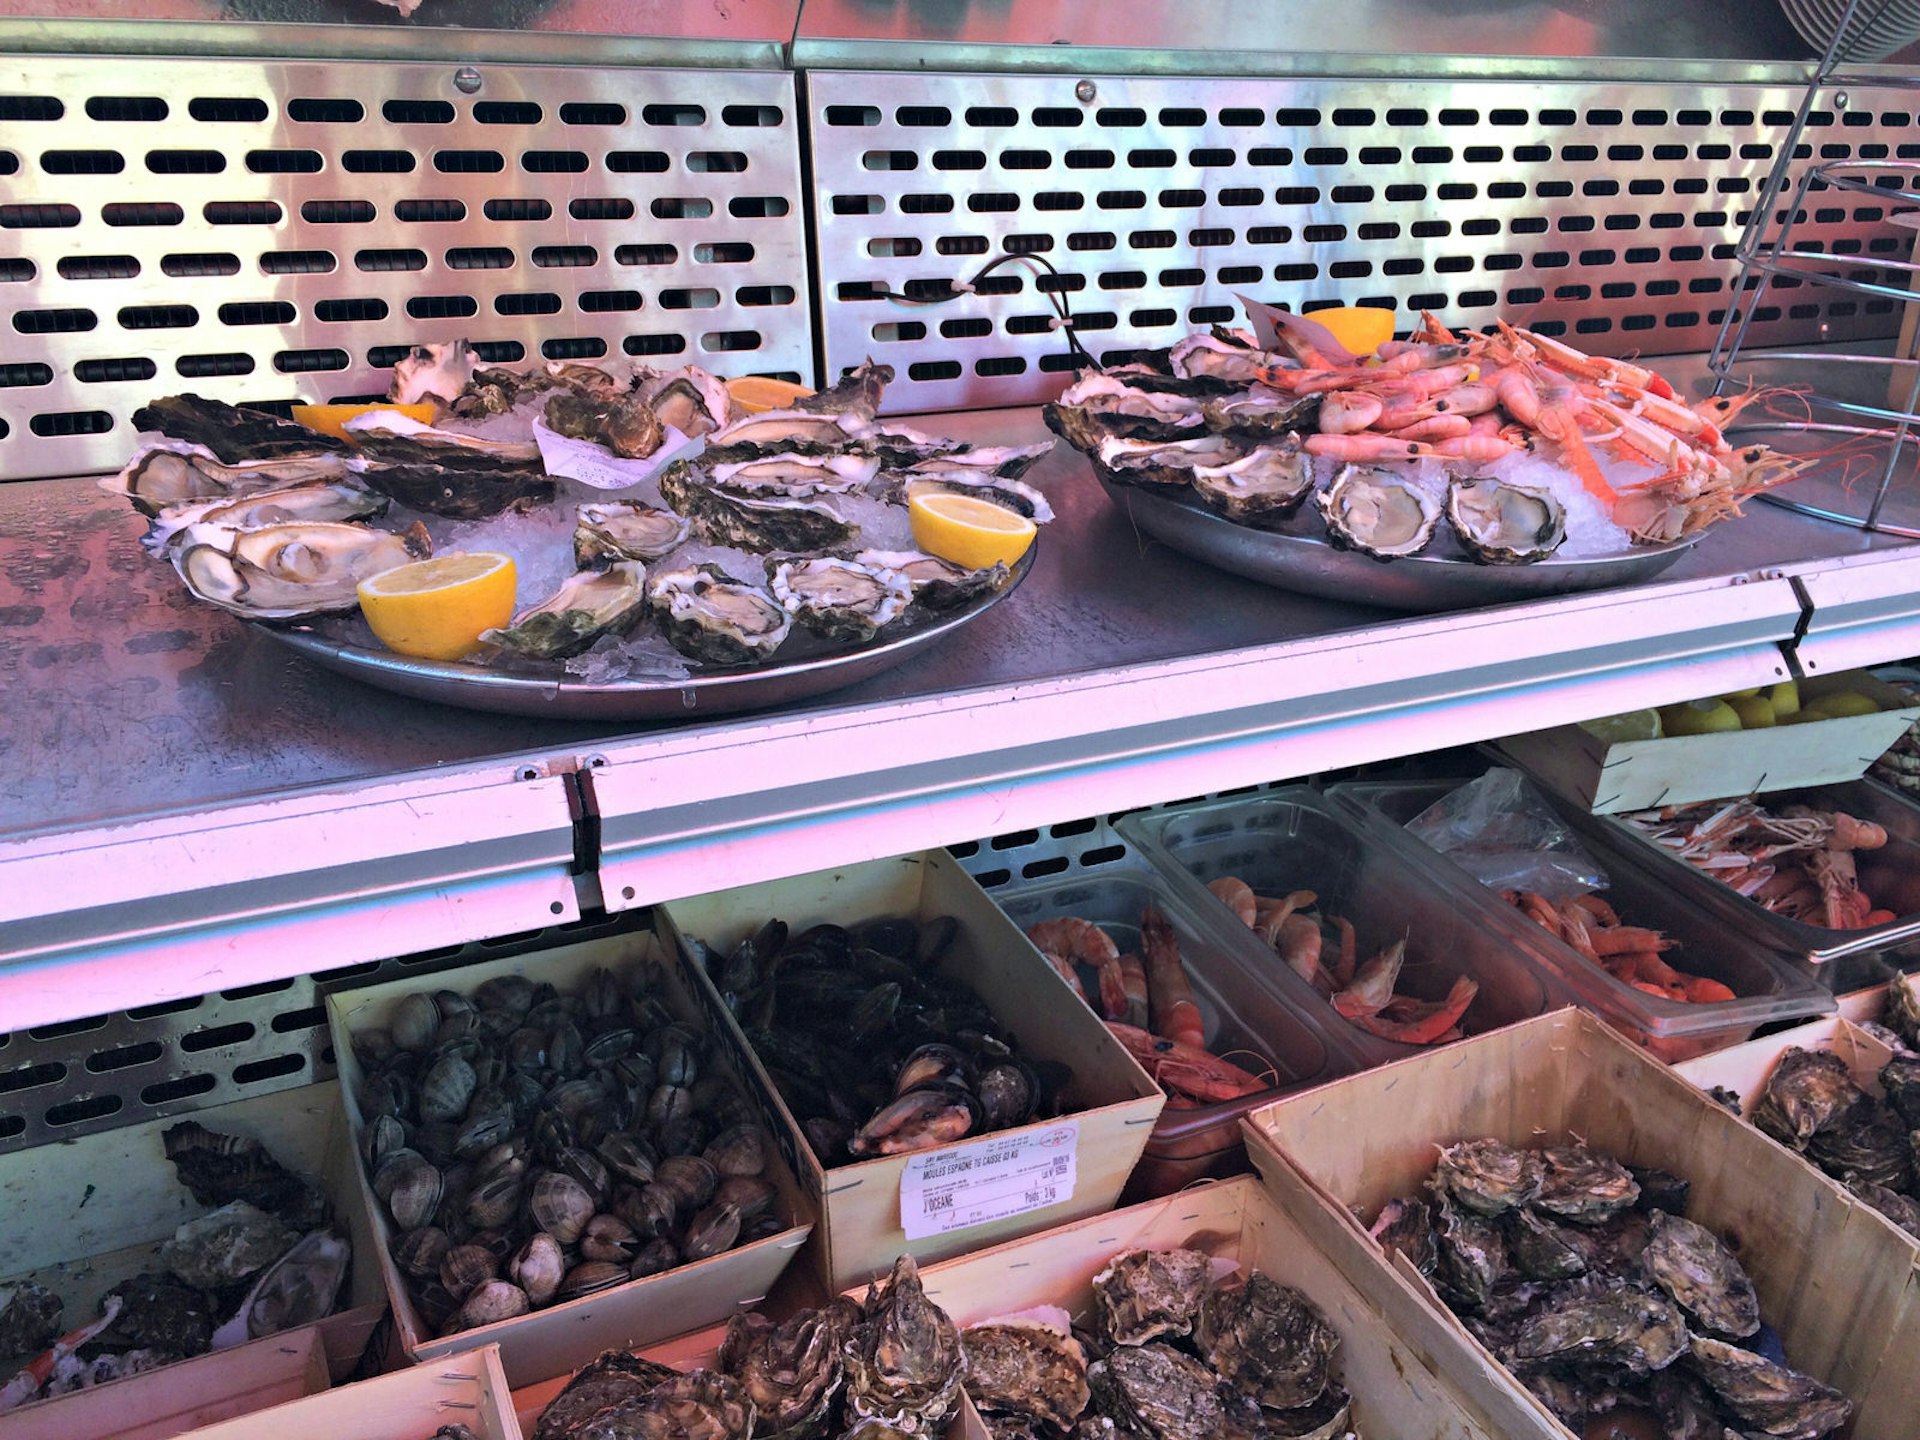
{"x":1767,"y":988}
{"x":1243,"y":1019}
{"x":1295,"y":839}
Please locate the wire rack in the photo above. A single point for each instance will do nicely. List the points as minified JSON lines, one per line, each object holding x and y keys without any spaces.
{"x":1860,"y":404}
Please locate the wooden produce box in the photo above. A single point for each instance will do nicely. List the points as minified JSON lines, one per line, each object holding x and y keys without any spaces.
{"x":87,"y":1213}
{"x":1397,"y":1391}
{"x":562,"y":1337}
{"x":175,"y":1399}
{"x":1113,"y":1103}
{"x":469,"y":1390}
{"x":1834,"y":1278}
{"x":1681,"y":769}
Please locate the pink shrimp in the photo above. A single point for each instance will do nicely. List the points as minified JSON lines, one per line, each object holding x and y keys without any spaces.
{"x":1348,"y":412}
{"x":1435,"y":427}
{"x":1478,"y":449}
{"x":1370,"y":990}
{"x":1068,"y":941}
{"x":1364,"y":448}
{"x":1472,"y":398}
{"x":1234,"y":893}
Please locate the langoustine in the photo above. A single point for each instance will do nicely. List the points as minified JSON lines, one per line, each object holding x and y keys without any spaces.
{"x":1629,"y":953}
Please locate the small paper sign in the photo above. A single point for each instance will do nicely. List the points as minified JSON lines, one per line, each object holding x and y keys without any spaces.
{"x":593,"y":464}
{"x":966,"y":1185}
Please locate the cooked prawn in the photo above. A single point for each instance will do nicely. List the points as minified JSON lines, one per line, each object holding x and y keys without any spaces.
{"x":1068,"y":941}
{"x":1237,"y":896}
{"x":1176,"y":1015}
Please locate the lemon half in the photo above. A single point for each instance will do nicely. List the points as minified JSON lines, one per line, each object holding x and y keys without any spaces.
{"x":967,"y":530}
{"x":436,"y":609}
{"x":1363,"y":329}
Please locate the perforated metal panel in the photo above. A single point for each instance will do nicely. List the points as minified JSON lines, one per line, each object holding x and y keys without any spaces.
{"x":276,"y":231}
{"x":1608,"y":212}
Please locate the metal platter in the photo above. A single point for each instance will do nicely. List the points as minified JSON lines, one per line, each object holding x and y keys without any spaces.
{"x":814,"y":670}
{"x":1310,"y":565}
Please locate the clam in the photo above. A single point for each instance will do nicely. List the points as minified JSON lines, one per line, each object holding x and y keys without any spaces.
{"x":446,"y":1088}
{"x":1502,"y":524}
{"x":561,"y":1206}
{"x":1142,"y":1294}
{"x":288,"y":571}
{"x":589,"y":1277}
{"x":1378,"y":513}
{"x":490,"y":1303}
{"x":419,"y":1251}
{"x":612,"y":530}
{"x":464,"y":1268}
{"x":588,"y":604}
{"x":841,"y":600}
{"x":410,"y":1186}
{"x":713,"y":1230}
{"x":739,"y":1150}
{"x":711,"y":616}
{"x":537,"y":1268}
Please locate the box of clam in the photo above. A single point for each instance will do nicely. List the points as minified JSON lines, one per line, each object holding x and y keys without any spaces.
{"x":938,"y":1085}
{"x":1205,"y":1313}
{"x":1844,"y":1096}
{"x":462,"y":1397}
{"x":558,"y":1158}
{"x":182,"y":1257}
{"x":1572,"y":1228}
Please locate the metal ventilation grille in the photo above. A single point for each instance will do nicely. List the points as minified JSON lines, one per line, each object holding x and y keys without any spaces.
{"x":1606,"y":212}
{"x":277,"y":231}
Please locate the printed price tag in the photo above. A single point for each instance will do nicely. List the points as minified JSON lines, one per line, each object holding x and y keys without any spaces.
{"x":965,"y":1185}
{"x":599,"y":467}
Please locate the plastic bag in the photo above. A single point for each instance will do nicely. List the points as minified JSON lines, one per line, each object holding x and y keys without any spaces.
{"x":1500,"y":830}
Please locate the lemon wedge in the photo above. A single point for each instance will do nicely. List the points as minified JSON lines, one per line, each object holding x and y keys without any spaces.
{"x":757,"y":394}
{"x":436,"y":609}
{"x":1363,"y":329}
{"x":331,"y":419}
{"x":967,"y":530}
{"x":1634,"y":725}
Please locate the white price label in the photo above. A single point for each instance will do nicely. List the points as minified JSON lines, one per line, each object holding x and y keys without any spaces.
{"x":595,"y":465}
{"x":964,"y":1185}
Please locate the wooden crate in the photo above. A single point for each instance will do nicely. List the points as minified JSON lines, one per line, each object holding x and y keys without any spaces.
{"x":560,"y":1338}
{"x":87,"y":1213}
{"x":1678,"y":770}
{"x":860,"y":1230}
{"x":1833,"y":1277}
{"x":468,"y":1389}
{"x":178,"y":1398}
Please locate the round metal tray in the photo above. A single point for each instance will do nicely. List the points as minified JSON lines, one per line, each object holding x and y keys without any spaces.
{"x":1313,"y":566}
{"x":814,"y":669}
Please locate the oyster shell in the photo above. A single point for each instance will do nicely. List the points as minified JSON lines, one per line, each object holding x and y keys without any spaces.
{"x":937,"y":584}
{"x":174,"y":474}
{"x":1378,"y":513}
{"x":1406,"y":1228}
{"x":290,"y":571}
{"x":622,"y":423}
{"x":605,"y":1387}
{"x":1580,"y":1184}
{"x":772,"y":524}
{"x":1269,"y":1341}
{"x":700,"y":1405}
{"x":432,"y":372}
{"x":1768,"y":1397}
{"x":230,"y":433}
{"x":691,"y":400}
{"x":843,"y":600}
{"x":711,"y":616}
{"x":791,"y":1371}
{"x":1472,"y":1252}
{"x":1541,"y":1250}
{"x":905,"y":1363}
{"x":1008,"y":462}
{"x":1502,"y":524}
{"x":1144,"y":1293}
{"x":29,"y":1317}
{"x":317,"y":500}
{"x":1158,"y":1393}
{"x":1163,"y":462}
{"x":226,"y":1245}
{"x":1807,"y":1091}
{"x":297,"y":1289}
{"x":588,"y":604}
{"x":462,"y":481}
{"x":1690,"y":1263}
{"x":1488,"y":1177}
{"x":1900,"y":1080}
{"x":1866,"y":1142}
{"x":1026,"y":1366}
{"x":158,"y":1312}
{"x":1267,"y":483}
{"x":1903,"y":1007}
{"x":856,"y":392}
{"x":1902,"y":1210}
{"x":611,"y":530}
{"x":1100,"y":407}
{"x":1260,"y":411}
{"x":775,"y":475}
{"x":1618,"y":1331}
{"x":779,"y":432}
{"x":1220,"y":354}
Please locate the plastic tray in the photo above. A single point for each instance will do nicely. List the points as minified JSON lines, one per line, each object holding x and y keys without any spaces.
{"x":1768,"y":990}
{"x":1295,"y":839}
{"x":1242,"y":1016}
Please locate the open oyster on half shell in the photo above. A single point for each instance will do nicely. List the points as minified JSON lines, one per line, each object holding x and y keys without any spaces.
{"x":840,"y":599}
{"x":1378,"y":513}
{"x":610,"y":530}
{"x":289,"y":571}
{"x":176,"y":473}
{"x":709,"y":615}
{"x":1269,"y":482}
{"x":776,"y":522}
{"x":314,"y":500}
{"x":937,"y":584}
{"x":1502,"y":524}
{"x":588,"y":604}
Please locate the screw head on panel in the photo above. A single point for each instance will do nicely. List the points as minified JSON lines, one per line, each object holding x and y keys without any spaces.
{"x":467,"y":80}
{"x":1085,"y":91}
{"x":1840,"y":100}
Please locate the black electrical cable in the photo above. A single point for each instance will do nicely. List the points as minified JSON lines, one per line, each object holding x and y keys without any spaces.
{"x":1055,"y":297}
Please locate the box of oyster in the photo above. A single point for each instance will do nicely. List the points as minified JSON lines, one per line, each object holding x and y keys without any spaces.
{"x":1574,"y":1232}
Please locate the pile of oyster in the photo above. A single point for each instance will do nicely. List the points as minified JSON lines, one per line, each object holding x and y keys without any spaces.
{"x":1176,"y":1351}
{"x":1586,"y":1280}
{"x":874,"y":1048}
{"x":1869,"y":1142}
{"x":265,"y":1259}
{"x":765,"y":530}
{"x":888,"y":1367}
{"x":531,"y":1146}
{"x":1195,"y":421}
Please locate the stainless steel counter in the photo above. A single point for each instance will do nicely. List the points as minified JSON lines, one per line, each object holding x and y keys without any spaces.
{"x":184,"y":791}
